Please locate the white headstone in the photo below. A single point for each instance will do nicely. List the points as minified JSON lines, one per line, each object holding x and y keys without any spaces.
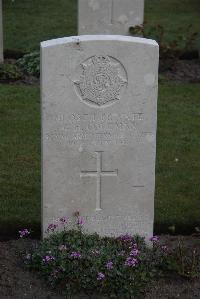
{"x":1,"y":32}
{"x":109,"y":16}
{"x":99,"y":96}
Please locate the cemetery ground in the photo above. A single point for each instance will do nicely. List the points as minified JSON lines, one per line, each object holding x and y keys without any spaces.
{"x":177,"y":166}
{"x":18,"y":283}
{"x":177,"y":184}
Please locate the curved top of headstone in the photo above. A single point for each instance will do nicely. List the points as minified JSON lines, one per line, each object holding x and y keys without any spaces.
{"x":89,"y":38}
{"x":109,"y":16}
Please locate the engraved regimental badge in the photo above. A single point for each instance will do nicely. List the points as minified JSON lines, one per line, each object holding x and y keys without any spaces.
{"x":102,"y":80}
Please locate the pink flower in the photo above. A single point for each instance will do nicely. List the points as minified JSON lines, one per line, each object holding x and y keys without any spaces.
{"x":48,"y":258}
{"x":24,"y":233}
{"x":51,"y":227}
{"x":126,"y":238}
{"x":130,"y":262}
{"x":63,"y":220}
{"x":109,"y":265}
{"x":75,"y":255}
{"x":165,"y":248}
{"x":154,"y":239}
{"x":134,"y":252}
{"x":80,"y":221}
{"x":100,"y":276}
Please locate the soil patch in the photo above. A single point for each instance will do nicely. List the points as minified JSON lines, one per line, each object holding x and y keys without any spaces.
{"x":181,"y":70}
{"x":16,"y":282}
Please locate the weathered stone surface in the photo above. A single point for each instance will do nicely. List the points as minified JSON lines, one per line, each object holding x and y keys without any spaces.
{"x":1,"y":33}
{"x":99,"y":96}
{"x":109,"y":16}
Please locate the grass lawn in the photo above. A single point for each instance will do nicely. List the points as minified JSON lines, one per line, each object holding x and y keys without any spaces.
{"x":20,"y":157}
{"x":178,"y":150}
{"x":178,"y":163}
{"x":175,"y":16}
{"x":26,"y":23}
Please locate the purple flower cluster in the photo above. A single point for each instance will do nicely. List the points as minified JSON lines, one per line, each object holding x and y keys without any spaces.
{"x":63,"y":220}
{"x":100,"y":276}
{"x":154,"y":239}
{"x":48,"y":258}
{"x":75,"y":255}
{"x":80,"y":221}
{"x":130,"y":262}
{"x":24,"y":233}
{"x":126,"y":238}
{"x":165,"y":248}
{"x":134,"y":245}
{"x":51,"y":227}
{"x":109,"y":265}
{"x":134,"y":252}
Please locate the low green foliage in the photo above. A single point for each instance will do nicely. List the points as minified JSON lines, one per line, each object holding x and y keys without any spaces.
{"x":30,"y":63}
{"x":10,"y":72}
{"x":169,"y":49}
{"x":76,"y":262}
{"x":185,"y":261}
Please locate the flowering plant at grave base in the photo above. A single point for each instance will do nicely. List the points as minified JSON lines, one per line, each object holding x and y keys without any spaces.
{"x":76,"y":262}
{"x":154,"y":239}
{"x":24,"y":233}
{"x":79,"y":220}
{"x":122,"y":267}
{"x":58,"y":223}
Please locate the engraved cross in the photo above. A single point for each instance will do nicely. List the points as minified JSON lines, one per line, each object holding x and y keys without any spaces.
{"x":98,"y":174}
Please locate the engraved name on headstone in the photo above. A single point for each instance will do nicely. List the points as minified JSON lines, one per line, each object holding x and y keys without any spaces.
{"x":99,"y":99}
{"x":109,"y":16}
